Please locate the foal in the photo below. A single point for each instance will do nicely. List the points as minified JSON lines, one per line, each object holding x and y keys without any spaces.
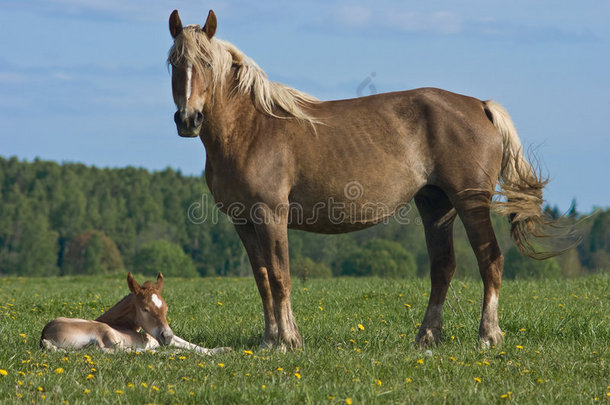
{"x":120,"y":326}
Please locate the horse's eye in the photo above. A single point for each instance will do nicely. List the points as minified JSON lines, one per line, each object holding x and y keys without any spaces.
{"x":145,"y":309}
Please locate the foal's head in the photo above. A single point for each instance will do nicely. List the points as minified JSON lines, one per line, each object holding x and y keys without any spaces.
{"x":151,"y":309}
{"x":192,"y":80}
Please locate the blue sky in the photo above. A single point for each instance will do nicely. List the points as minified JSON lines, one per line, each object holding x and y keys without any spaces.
{"x":86,"y":80}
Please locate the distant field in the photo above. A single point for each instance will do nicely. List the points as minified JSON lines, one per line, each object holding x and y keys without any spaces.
{"x":556,"y":350}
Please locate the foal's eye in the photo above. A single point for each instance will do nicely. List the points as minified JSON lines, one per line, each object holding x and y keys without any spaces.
{"x":145,"y":309}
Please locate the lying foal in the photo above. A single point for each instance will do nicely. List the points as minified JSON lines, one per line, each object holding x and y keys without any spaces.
{"x":119,"y":327}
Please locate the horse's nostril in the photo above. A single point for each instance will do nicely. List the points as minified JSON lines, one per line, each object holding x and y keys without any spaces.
{"x":177,"y":118}
{"x":198,"y":119}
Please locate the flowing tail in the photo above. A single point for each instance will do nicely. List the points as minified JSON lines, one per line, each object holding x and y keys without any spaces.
{"x":521,"y":186}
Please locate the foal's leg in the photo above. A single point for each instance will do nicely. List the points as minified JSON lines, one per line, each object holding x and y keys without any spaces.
{"x":184,"y":344}
{"x":474,"y":212}
{"x":273,"y":240}
{"x":249,"y":239}
{"x":437,"y":215}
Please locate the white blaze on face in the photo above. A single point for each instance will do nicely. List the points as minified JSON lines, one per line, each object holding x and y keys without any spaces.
{"x":156,"y":300}
{"x":189,"y":79}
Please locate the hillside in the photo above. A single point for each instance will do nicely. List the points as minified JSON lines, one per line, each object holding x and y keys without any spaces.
{"x":59,"y":219}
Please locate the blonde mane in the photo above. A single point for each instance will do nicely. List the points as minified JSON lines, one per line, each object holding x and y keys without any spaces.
{"x":194,"y":47}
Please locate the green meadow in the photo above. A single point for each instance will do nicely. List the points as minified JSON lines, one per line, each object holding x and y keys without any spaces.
{"x":358,"y":335}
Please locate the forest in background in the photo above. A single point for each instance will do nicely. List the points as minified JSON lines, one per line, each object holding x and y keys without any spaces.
{"x":64,"y":219}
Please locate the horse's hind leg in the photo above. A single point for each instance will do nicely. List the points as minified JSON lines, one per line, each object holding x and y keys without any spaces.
{"x":437,"y":215}
{"x":473,"y":208}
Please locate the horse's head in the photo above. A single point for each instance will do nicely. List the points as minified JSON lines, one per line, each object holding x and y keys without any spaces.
{"x":192,"y":78}
{"x":151,"y":309}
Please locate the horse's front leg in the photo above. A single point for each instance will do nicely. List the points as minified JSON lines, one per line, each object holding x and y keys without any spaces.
{"x":248,"y":237}
{"x":184,"y":344}
{"x":272,"y":235}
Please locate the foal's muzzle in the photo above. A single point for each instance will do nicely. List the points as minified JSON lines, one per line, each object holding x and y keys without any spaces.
{"x":165,"y":337}
{"x":188,"y":124}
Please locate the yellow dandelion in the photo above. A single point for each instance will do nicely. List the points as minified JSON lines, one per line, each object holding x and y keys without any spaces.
{"x":154,"y":387}
{"x":348,"y":401}
{"x":40,"y":388}
{"x":248,"y":352}
{"x":360,"y":326}
{"x":378,"y":382}
{"x":120,"y":392}
{"x":477,"y":379}
{"x":59,"y":370}
{"x":90,"y":376}
{"x":3,"y":372}
{"x":297,"y":375}
{"x":130,"y":385}
{"x":420,"y":361}
{"x":221,"y":365}
{"x":508,"y":395}
{"x":407,"y":305}
{"x":22,"y":335}
{"x":182,"y":357}
{"x":144,"y":385}
{"x":279,"y":369}
{"x":219,"y":303}
{"x":408,"y":380}
{"x":519,"y":347}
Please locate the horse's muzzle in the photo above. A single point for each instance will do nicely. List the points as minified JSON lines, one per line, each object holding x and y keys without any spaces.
{"x":165,"y":337}
{"x":188,"y":124}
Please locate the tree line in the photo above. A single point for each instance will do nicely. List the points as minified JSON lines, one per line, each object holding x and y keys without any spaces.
{"x":64,"y":219}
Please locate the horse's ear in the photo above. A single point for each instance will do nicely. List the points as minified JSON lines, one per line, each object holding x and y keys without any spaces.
{"x":210,"y":24}
{"x":160,"y":281}
{"x":134,"y":287}
{"x":175,"y":25}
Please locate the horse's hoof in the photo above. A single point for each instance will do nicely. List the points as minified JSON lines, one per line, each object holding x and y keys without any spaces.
{"x":491,"y":339}
{"x":427,"y":338}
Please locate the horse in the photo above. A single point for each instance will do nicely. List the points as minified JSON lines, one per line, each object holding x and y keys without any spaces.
{"x":120,"y":327}
{"x":277,"y":158}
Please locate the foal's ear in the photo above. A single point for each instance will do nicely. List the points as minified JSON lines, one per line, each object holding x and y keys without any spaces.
{"x":134,"y":287}
{"x":175,"y":25}
{"x":159,"y":281}
{"x":210,"y":24}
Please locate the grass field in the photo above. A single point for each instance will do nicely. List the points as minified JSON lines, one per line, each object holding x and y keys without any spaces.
{"x":358,"y":337}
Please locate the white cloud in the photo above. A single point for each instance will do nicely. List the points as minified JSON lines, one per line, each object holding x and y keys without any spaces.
{"x":438,"y":22}
{"x":12,"y":78}
{"x":352,"y":15}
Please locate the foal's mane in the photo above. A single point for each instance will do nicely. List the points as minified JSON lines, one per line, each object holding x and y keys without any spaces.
{"x":192,"y":46}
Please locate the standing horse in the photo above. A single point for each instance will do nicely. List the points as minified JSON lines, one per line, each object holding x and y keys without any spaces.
{"x":277,"y":158}
{"x":119,"y":327}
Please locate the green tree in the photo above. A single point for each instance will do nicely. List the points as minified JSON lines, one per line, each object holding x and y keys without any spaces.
{"x":518,"y":266}
{"x":304,"y":268}
{"x":165,"y":257}
{"x":91,"y":252}
{"x":380,"y":258}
